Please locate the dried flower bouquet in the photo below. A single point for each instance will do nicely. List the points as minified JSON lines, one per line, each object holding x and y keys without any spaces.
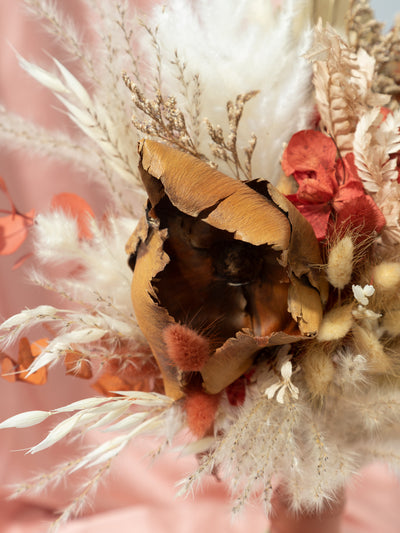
{"x":263,"y":310}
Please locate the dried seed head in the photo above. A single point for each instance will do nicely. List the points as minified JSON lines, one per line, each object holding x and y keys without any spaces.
{"x":340,"y":263}
{"x":368,"y":344}
{"x":186,"y":348}
{"x":336,"y":323}
{"x":386,"y":276}
{"x":318,"y":369}
{"x":200,"y":411}
{"x":391,"y":322}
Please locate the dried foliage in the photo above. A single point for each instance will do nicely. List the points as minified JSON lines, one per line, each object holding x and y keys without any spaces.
{"x":226,"y":149}
{"x":165,"y":121}
{"x":342,"y":82}
{"x":278,"y":352}
{"x":365,"y":32}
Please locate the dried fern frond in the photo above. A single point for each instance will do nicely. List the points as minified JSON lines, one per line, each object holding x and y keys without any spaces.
{"x":376,"y":144}
{"x":342,"y":82}
{"x":363,"y":31}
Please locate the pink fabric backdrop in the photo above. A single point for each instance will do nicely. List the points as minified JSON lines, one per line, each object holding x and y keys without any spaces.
{"x":137,"y":496}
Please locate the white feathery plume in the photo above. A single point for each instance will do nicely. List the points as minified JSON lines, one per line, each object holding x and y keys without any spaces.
{"x":61,"y":27}
{"x":233,"y":51}
{"x":90,"y":117}
{"x":18,"y":133}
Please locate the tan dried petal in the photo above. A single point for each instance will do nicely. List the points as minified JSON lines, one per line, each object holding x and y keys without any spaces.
{"x":234,"y":262}
{"x":198,"y":190}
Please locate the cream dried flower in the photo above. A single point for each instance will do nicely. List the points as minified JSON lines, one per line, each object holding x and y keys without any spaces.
{"x":284,"y":384}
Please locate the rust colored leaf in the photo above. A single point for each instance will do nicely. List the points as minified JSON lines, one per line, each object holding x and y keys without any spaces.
{"x":8,"y":369}
{"x":76,"y":364}
{"x":17,"y":371}
{"x":13,"y":231}
{"x":37,"y":346}
{"x":26,"y":356}
{"x":76,"y":207}
{"x":107,"y":384}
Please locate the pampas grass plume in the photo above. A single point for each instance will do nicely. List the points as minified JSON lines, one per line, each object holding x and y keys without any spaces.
{"x":340,"y":263}
{"x":318,"y":369}
{"x":336,"y":323}
{"x":386,"y":276}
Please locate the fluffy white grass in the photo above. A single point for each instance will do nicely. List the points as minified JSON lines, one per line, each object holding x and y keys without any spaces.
{"x":237,"y":48}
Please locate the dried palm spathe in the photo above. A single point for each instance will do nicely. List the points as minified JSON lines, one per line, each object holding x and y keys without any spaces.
{"x":233,"y":260}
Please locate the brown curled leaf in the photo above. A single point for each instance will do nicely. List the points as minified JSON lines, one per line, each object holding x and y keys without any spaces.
{"x":233,"y":261}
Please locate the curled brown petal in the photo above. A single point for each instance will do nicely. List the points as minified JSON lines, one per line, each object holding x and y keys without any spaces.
{"x":233,"y":261}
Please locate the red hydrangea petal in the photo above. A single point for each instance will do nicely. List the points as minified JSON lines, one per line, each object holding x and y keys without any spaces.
{"x":316,"y":214}
{"x":358,"y":212}
{"x":308,"y":150}
{"x":319,"y":187}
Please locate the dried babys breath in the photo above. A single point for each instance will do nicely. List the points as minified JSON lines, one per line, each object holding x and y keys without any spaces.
{"x":221,"y":268}
{"x":161,"y":118}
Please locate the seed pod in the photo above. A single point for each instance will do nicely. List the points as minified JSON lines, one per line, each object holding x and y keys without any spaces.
{"x":233,"y":261}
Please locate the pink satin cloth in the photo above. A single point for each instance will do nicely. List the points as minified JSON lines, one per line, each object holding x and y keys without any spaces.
{"x":137,"y":495}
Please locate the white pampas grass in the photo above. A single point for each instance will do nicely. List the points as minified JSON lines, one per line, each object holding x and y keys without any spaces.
{"x":233,"y":51}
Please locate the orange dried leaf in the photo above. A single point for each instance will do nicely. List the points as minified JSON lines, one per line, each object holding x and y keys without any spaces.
{"x":78,"y":365}
{"x":13,"y":231}
{"x":8,"y":369}
{"x":37,"y":346}
{"x":107,"y":384}
{"x":75,"y":206}
{"x":26,"y":356}
{"x":37,"y":378}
